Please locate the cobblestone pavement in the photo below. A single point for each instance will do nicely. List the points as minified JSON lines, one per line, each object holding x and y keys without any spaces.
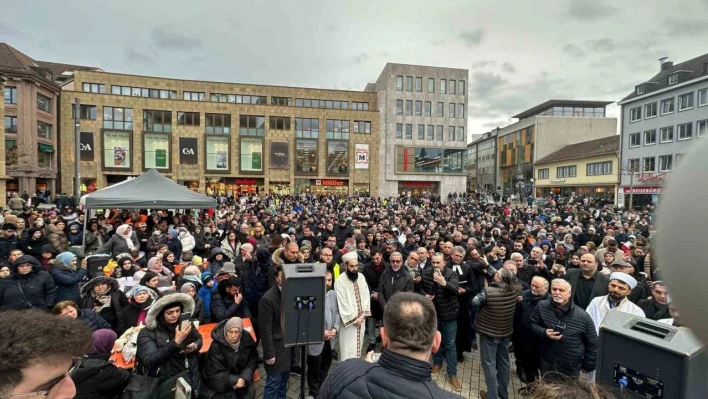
{"x":469,"y":373}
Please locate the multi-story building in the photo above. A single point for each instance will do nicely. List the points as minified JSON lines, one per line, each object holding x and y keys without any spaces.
{"x":30,"y":117}
{"x":471,"y":166}
{"x":661,"y":119}
{"x":583,"y":170}
{"x":221,"y":137}
{"x":423,"y":117}
{"x":542,"y":130}
{"x":484,"y":161}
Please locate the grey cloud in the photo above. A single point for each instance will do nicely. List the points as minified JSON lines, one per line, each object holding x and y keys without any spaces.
{"x":361,"y":58}
{"x":331,"y":28}
{"x":483,"y":64}
{"x":486,"y":83}
{"x":7,"y":30}
{"x":171,"y":39}
{"x":687,"y":27}
{"x":589,"y":10}
{"x":605,"y":44}
{"x":573,"y":50}
{"x":508,"y":67}
{"x":134,"y":56}
{"x":472,"y":38}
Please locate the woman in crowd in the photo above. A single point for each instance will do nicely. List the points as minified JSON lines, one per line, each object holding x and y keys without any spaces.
{"x":4,"y":271}
{"x":94,"y":237}
{"x":70,"y":309}
{"x":153,"y":244}
{"x":164,"y":349}
{"x":168,"y":261}
{"x":190,"y":274}
{"x":27,"y":287}
{"x":216,"y":260}
{"x":102,"y":295}
{"x":607,"y":259}
{"x":188,"y":242}
{"x":151,"y":280}
{"x":231,"y":361}
{"x":124,"y":240}
{"x":34,"y":242}
{"x":66,"y":276}
{"x":164,"y":275}
{"x":140,"y":300}
{"x":230,"y":245}
{"x":199,"y":313}
{"x":57,"y":236}
{"x":125,"y":268}
{"x":574,"y":261}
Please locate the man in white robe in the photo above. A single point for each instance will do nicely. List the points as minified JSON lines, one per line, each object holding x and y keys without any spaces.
{"x":353,"y":300}
{"x":621,"y":284}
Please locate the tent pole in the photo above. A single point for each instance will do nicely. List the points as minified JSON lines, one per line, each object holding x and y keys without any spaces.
{"x":83,"y":236}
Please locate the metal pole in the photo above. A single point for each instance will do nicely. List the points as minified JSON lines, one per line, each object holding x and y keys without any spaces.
{"x":77,"y":149}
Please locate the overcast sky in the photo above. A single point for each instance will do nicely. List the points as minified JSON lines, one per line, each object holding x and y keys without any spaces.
{"x":519,"y":53}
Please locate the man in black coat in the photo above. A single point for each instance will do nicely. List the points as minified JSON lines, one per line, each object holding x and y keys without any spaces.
{"x":275,"y":354}
{"x":393,"y":280}
{"x":587,"y":282}
{"x":8,"y":241}
{"x":575,"y":349}
{"x":372,"y":273}
{"x":526,"y":345}
{"x":28,"y":287}
{"x":403,"y":370}
{"x":656,"y":307}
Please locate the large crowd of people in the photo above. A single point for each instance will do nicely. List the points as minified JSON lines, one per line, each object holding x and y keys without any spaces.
{"x":497,"y":278}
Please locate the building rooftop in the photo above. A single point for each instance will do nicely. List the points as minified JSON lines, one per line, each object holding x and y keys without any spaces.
{"x":692,"y":69}
{"x":553,"y":103}
{"x":13,"y":61}
{"x":586,"y":149}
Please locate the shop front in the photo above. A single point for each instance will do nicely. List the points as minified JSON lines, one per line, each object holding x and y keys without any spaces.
{"x":641,"y":196}
{"x":418,"y":188}
{"x":280,"y":187}
{"x":234,"y":186}
{"x":321,"y":186}
{"x":362,"y":189}
{"x":596,"y":192}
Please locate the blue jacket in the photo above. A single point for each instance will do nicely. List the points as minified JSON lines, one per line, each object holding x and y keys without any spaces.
{"x":67,"y":282}
{"x":206,"y":293}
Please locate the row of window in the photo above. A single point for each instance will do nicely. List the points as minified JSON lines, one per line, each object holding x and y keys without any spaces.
{"x":309,"y":128}
{"x":44,"y":103}
{"x":431,"y":133}
{"x":223,"y":98}
{"x":648,"y":164}
{"x":415,"y":84}
{"x":683,"y":131}
{"x":44,"y":130}
{"x":425,"y":109}
{"x":591,"y":169}
{"x":667,"y":106}
{"x":44,"y":154}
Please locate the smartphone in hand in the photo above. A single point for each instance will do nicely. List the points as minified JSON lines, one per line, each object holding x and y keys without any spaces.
{"x":184,"y":320}
{"x":559,"y":328}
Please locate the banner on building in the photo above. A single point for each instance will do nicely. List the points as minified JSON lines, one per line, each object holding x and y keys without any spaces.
{"x":361,"y":157}
{"x":279,"y":155}
{"x":188,"y":151}
{"x":86,"y":146}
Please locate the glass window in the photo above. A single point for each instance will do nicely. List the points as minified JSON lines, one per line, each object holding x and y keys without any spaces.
{"x":431,"y":132}
{"x":44,"y":156}
{"x":429,"y":160}
{"x":44,"y":103}
{"x":93,"y":88}
{"x":117,"y":118}
{"x":566,"y":171}
{"x":648,"y":164}
{"x":157,"y":121}
{"x":418,"y":108}
{"x":409,"y":131}
{"x":307,"y":128}
{"x":427,"y":110}
{"x":667,"y":134}
{"x":702,"y":97}
{"x":421,"y":132}
{"x":673,"y":79}
{"x":633,"y":165}
{"x":451,"y":133}
{"x":194,"y":95}
{"x":599,"y":168}
{"x":399,"y":130}
{"x":418,"y":85}
{"x":431,"y":85}
{"x":635,"y":114}
{"x":439,"y":110}
{"x":461,"y":134}
{"x":399,"y":83}
{"x":665,"y":163}
{"x":10,"y":124}
{"x":156,"y":151}
{"x":337,"y":158}
{"x":451,"y":110}
{"x":650,"y":110}
{"x":363,"y":127}
{"x":461,"y":87}
{"x":10,"y":94}
{"x":217,"y":123}
{"x":701,"y":128}
{"x":188,"y":118}
{"x":217,"y":153}
{"x":399,"y":107}
{"x":252,"y":125}
{"x":359,"y":106}
{"x":86,"y":112}
{"x":667,"y":106}
{"x":44,"y":130}
{"x":685,"y":131}
{"x":279,"y":123}
{"x":409,"y":107}
{"x":460,"y":110}
{"x":452,"y":86}
{"x":635,"y":140}
{"x":650,"y":137}
{"x":251,"y":154}
{"x":306,"y":156}
{"x":439,"y":133}
{"x":337,"y":129}
{"x":409,"y":83}
{"x":543,"y":173}
{"x":685,"y":101}
{"x":443,"y":86}
{"x":286,"y":101}
{"x":116,"y":149}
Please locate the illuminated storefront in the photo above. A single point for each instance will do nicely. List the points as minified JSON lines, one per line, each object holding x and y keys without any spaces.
{"x":418,"y":188}
{"x":280,"y":187}
{"x":322,"y":186}
{"x":234,"y":186}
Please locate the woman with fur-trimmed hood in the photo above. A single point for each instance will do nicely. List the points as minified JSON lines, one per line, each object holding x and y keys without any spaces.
{"x":103,"y":295}
{"x":164,"y":350}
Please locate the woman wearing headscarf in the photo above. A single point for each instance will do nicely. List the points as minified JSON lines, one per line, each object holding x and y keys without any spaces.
{"x":57,"y":236}
{"x":34,"y":242}
{"x":199,"y":313}
{"x":190,"y":274}
{"x":102,"y":295}
{"x":231,"y":361}
{"x":66,"y":276}
{"x":124,"y":240}
{"x":164,"y":275}
{"x":140,"y":301}
{"x":125,"y":268}
{"x":164,"y":349}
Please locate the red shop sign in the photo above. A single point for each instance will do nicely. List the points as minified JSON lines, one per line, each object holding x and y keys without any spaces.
{"x":642,"y":190}
{"x":329,"y":182}
{"x":418,"y":184}
{"x":405,"y":159}
{"x":247,"y":182}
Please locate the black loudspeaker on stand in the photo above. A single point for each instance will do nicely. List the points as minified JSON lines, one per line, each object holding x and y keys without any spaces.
{"x":302,"y":307}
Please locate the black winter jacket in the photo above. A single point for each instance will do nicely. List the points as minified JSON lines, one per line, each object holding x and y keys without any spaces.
{"x":113,"y":314}
{"x":445,"y":300}
{"x":271,"y":331}
{"x":99,"y":379}
{"x":33,"y":290}
{"x":258,"y":276}
{"x":392,"y":282}
{"x":523,"y":333}
{"x":223,"y":367}
{"x":372,"y":280}
{"x":7,"y":245}
{"x":576,"y":350}
{"x":393,"y":376}
{"x":67,"y":281}
{"x":92,"y":320}
{"x":224,"y":307}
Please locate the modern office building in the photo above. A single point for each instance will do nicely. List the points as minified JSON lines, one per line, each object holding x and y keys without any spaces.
{"x":661,"y":119}
{"x":221,"y":137}
{"x":482,"y":162}
{"x":423,"y":119}
{"x":583,"y":170}
{"x":542,"y":130}
{"x":31,"y":90}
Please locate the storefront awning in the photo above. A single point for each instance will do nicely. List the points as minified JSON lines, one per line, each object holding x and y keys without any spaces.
{"x":46,"y":148}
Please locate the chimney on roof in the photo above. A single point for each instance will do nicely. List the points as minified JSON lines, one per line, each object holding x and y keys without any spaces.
{"x":664,"y":65}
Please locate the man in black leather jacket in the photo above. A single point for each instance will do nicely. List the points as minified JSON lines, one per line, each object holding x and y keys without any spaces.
{"x":403,"y":370}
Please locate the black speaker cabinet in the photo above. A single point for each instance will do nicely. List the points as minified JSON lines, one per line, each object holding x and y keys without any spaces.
{"x":303,"y":303}
{"x":648,"y":359}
